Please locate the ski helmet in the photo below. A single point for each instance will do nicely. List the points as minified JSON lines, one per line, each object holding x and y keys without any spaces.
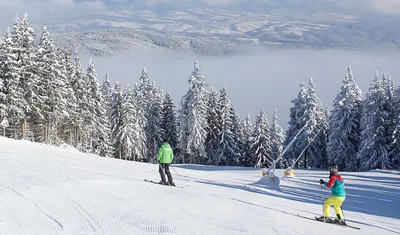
{"x":333,"y":169}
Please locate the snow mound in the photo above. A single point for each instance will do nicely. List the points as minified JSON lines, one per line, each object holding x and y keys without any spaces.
{"x":268,"y":183}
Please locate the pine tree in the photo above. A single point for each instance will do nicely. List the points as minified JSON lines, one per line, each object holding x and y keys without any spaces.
{"x":213,"y":128}
{"x":53,"y":89}
{"x":247,"y":158}
{"x":396,"y":104}
{"x":118,"y":124}
{"x":3,"y":108}
{"x":3,"y":98}
{"x":122,"y":119}
{"x":228,"y":150}
{"x":81,"y":91}
{"x":140,"y":122}
{"x":98,"y":121}
{"x":11,"y":73}
{"x":394,"y":154}
{"x":106,"y":92}
{"x":193,"y":118}
{"x":277,"y":138}
{"x":321,"y":139}
{"x":154,"y":130}
{"x":168,"y":123}
{"x":297,"y":121}
{"x":373,"y":149}
{"x":147,"y":97}
{"x":344,"y":125}
{"x":261,"y":141}
{"x":23,"y":39}
{"x":238,"y":136}
{"x":66,"y":126}
{"x":389,"y":107}
{"x":316,"y":150}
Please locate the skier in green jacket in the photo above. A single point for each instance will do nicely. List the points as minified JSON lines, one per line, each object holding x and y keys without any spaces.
{"x":165,"y":157}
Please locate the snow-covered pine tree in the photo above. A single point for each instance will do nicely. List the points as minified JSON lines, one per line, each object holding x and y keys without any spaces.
{"x":296,"y":123}
{"x":247,"y":158}
{"x":99,"y":124}
{"x":3,"y":98}
{"x":227,"y":152}
{"x":52,"y":88}
{"x":119,"y":127}
{"x":213,"y":128}
{"x":3,"y":108}
{"x":344,"y":125}
{"x":389,"y":107}
{"x":154,"y":131}
{"x":79,"y":85}
{"x":168,"y":123}
{"x":146,"y":95}
{"x":321,"y":139}
{"x":66,"y":125}
{"x":396,"y":101}
{"x":261,"y":141}
{"x":193,"y":118}
{"x":277,"y":138}
{"x":11,"y":73}
{"x":106,"y":92}
{"x":139,"y":149}
{"x":316,"y":151}
{"x":238,"y":134}
{"x":24,"y":47}
{"x":373,"y":148}
{"x":394,"y":154}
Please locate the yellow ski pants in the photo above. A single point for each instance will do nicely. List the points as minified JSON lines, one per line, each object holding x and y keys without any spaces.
{"x":336,"y":202}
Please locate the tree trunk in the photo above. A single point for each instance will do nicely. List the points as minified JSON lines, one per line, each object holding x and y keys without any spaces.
{"x":23,"y":129}
{"x":305,"y":159}
{"x":76,"y":136}
{"x":46,"y":133}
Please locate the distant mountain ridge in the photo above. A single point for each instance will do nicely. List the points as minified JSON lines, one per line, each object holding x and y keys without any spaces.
{"x":115,"y":41}
{"x":220,"y":31}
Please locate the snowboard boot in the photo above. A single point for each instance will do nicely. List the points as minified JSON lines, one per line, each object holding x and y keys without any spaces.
{"x":163,"y":183}
{"x":172,"y":184}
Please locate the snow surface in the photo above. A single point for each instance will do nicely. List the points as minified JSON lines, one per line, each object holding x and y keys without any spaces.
{"x":51,"y":190}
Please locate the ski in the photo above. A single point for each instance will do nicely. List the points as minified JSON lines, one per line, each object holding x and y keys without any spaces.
{"x":315,"y":219}
{"x":151,"y":181}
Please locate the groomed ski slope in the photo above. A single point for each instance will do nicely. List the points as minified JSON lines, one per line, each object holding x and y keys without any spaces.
{"x":51,"y":190}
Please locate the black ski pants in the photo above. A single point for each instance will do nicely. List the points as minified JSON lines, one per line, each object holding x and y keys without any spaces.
{"x":165,"y":166}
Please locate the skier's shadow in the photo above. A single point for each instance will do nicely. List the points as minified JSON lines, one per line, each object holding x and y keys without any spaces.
{"x":254,"y":189}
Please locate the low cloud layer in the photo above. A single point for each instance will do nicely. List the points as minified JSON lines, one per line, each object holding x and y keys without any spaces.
{"x":391,"y":7}
{"x":266,"y":80}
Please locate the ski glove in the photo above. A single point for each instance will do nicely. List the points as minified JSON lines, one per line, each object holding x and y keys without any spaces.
{"x":321,"y":181}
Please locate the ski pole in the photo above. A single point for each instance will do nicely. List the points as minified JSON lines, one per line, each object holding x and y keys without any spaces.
{"x":179,"y":175}
{"x":342,"y":213}
{"x":323,"y":196}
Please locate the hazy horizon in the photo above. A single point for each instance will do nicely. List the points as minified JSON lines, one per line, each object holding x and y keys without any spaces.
{"x":265,"y":80}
